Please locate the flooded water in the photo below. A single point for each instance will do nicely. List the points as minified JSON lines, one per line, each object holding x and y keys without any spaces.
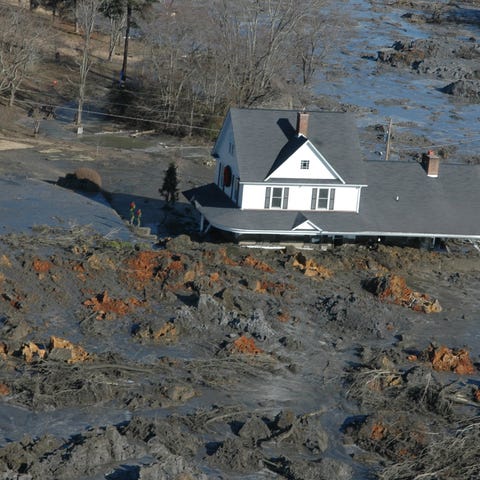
{"x":413,"y":102}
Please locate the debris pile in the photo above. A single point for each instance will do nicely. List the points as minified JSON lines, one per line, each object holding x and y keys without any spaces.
{"x":61,"y":348}
{"x":107,"y":307}
{"x":393,"y":289}
{"x":57,"y":349}
{"x":167,"y":333}
{"x":245,"y":345}
{"x":310,"y":268}
{"x":42,"y":266}
{"x":273,"y":288}
{"x":444,"y":359}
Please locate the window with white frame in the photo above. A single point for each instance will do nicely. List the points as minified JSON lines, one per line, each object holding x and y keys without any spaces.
{"x":276,"y":197}
{"x":323,"y":199}
{"x":304,"y":164}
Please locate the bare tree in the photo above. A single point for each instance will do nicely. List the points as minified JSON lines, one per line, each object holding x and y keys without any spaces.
{"x":168,"y":58}
{"x":203,"y":55}
{"x":118,"y":21}
{"x":257,"y":42}
{"x":131,"y":6}
{"x":88,"y":11}
{"x":128,"y":24}
{"x":20,"y":41}
{"x":312,"y":44}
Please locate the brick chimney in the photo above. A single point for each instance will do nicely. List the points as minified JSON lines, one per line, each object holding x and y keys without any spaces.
{"x":302,"y":123}
{"x":431,"y":163}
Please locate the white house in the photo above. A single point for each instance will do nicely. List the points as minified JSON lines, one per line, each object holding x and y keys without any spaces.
{"x":288,"y":173}
{"x":300,"y":177}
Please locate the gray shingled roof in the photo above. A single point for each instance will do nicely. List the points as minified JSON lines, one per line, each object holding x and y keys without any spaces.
{"x":263,"y":136}
{"x":447,"y":206}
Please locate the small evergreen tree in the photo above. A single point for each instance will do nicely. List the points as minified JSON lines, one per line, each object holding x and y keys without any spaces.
{"x":169,"y":188}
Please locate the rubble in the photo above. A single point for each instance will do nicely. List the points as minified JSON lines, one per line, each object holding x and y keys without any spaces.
{"x":444,"y":359}
{"x":213,"y":323}
{"x":106,"y":306}
{"x":393,"y":289}
{"x":71,"y":352}
{"x":250,"y":261}
{"x":245,"y":345}
{"x":42,"y":266}
{"x":32,"y":352}
{"x":309,"y":267}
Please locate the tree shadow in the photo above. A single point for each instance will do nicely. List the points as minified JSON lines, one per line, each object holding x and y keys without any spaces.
{"x":163,"y":219}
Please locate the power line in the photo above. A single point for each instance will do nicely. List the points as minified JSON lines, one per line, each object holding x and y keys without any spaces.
{"x":125,"y":117}
{"x":91,"y":100}
{"x":160,"y":122}
{"x":403,"y":148}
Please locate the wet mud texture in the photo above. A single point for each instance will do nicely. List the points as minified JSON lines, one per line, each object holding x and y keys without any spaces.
{"x":445,"y":55}
{"x":228,"y":362}
{"x":430,"y":50}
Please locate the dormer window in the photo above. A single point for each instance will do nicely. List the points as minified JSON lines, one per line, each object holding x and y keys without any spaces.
{"x":304,"y":164}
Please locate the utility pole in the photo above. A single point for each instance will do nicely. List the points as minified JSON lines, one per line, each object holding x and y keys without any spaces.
{"x":389,"y":137}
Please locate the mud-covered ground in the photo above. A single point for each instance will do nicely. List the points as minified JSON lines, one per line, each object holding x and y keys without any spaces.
{"x":190,"y":359}
{"x":200,"y":360}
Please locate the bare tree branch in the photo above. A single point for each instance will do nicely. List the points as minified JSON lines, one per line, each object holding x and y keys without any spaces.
{"x":21,"y":37}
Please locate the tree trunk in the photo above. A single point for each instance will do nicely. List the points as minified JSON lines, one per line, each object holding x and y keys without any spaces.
{"x":123,"y":73}
{"x":13,"y":90}
{"x":117,"y":23}
{"x":75,"y":14}
{"x":81,"y":98}
{"x":87,"y":16}
{"x":112,"y":40}
{"x":82,"y":82}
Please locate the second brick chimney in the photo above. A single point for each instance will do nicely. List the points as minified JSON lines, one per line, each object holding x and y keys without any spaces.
{"x":302,"y":123}
{"x":431,"y":163}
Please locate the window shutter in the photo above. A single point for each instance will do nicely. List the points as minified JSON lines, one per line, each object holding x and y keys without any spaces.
{"x":267,"y":197}
{"x":331,"y":201}
{"x":313,"y":206}
{"x":220,"y":171}
{"x":285,"y":198}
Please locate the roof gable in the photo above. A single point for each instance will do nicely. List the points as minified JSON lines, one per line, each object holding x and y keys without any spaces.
{"x":264,"y":139}
{"x":304,"y":162}
{"x":302,"y":224}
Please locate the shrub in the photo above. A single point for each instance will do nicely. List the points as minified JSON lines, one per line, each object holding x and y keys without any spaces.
{"x":90,"y":179}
